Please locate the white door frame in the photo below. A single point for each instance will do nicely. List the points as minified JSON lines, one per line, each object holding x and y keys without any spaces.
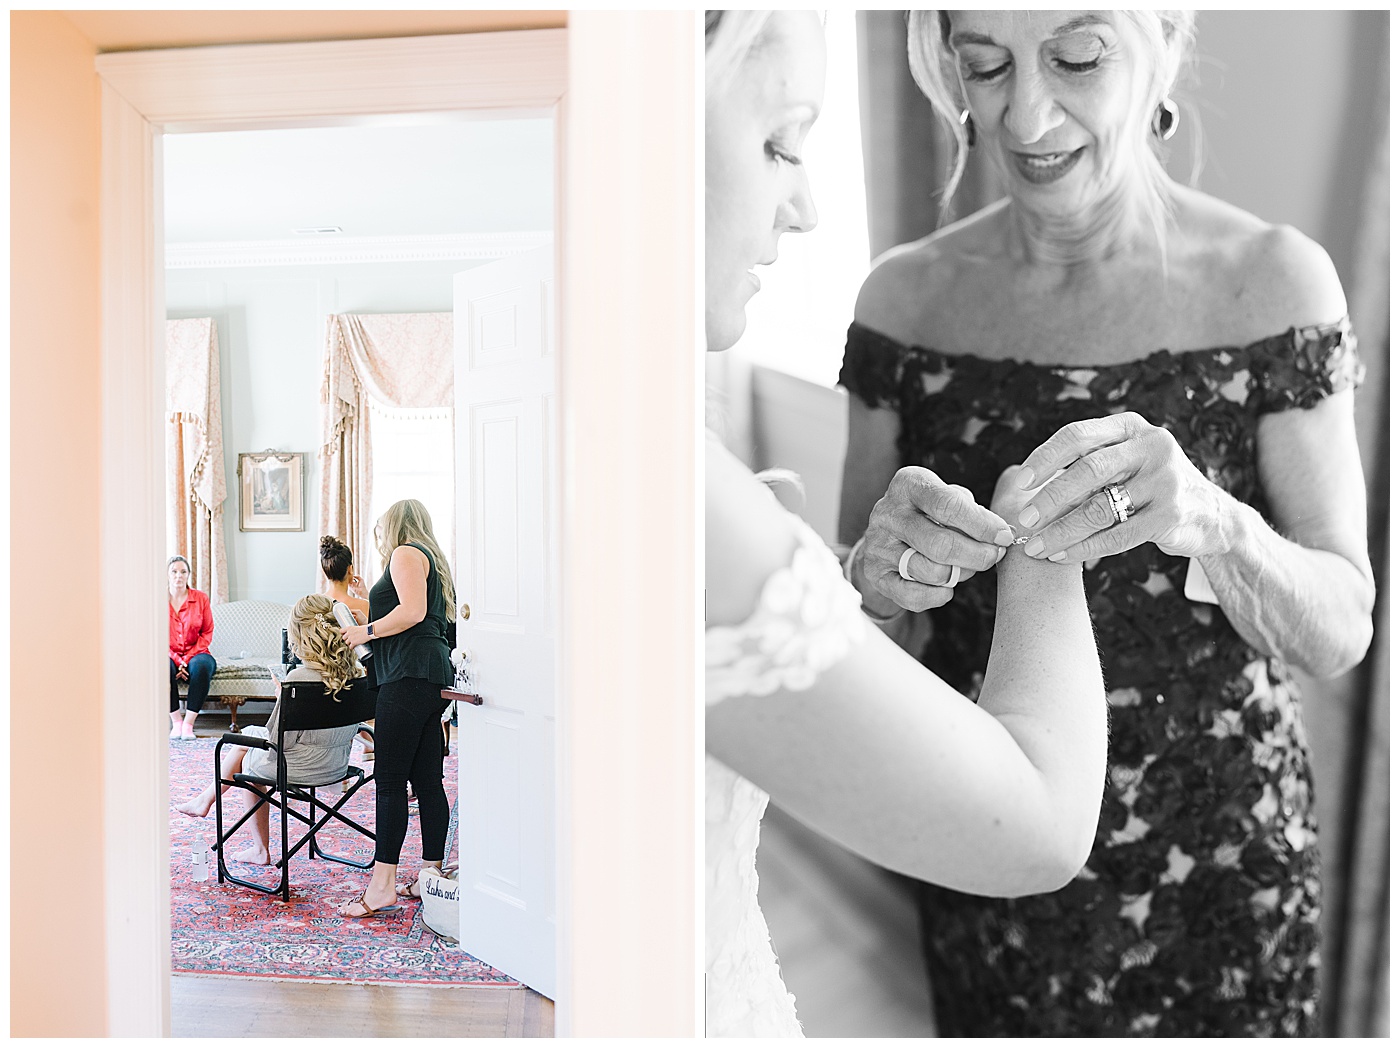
{"x":145,"y":94}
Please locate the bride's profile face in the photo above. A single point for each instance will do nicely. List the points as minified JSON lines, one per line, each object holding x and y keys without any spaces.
{"x":755,"y":185}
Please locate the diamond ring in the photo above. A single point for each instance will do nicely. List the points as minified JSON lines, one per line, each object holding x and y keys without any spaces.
{"x":1120,"y":502}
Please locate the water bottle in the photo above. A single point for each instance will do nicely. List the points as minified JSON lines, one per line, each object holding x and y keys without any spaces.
{"x":199,"y":859}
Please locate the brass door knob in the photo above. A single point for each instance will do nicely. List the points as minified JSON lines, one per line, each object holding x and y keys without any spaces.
{"x":466,"y":612}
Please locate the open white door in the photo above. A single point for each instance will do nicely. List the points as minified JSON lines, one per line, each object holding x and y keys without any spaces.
{"x":505,"y":473}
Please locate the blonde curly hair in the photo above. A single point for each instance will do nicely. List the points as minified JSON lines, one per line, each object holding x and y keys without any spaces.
{"x":315,"y":636}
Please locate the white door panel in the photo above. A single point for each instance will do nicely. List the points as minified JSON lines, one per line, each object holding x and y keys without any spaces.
{"x":506,"y":430}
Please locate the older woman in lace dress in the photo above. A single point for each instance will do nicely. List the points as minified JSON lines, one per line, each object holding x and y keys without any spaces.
{"x":1189,"y":367}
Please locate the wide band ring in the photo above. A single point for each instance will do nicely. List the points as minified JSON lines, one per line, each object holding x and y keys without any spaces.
{"x":955,"y":573}
{"x":1120,"y":502}
{"x":904,"y":565}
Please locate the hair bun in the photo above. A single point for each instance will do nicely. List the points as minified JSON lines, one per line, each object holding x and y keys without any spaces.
{"x":329,"y":544}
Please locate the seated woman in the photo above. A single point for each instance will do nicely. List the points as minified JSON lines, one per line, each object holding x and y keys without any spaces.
{"x":191,"y":630}
{"x":314,"y":755}
{"x":337,"y":564}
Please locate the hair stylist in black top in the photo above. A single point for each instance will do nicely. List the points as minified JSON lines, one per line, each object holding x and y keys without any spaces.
{"x":407,"y":630}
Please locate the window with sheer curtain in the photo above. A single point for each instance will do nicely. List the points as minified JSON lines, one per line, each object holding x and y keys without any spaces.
{"x":386,"y":422}
{"x":413,"y":459}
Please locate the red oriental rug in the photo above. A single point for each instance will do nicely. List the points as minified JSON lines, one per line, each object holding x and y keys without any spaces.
{"x":224,"y":929}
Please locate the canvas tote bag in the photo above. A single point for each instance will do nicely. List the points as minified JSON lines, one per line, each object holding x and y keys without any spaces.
{"x":442,"y":898}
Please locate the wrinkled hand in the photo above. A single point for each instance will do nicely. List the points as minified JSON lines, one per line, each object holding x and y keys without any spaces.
{"x":1071,"y":516}
{"x":943,"y":524}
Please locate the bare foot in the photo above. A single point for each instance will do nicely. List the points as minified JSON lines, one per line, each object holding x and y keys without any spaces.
{"x":196,"y":807}
{"x":256,"y":856}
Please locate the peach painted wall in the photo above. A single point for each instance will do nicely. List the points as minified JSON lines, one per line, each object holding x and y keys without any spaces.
{"x":630,"y":382}
{"x":57,"y":987}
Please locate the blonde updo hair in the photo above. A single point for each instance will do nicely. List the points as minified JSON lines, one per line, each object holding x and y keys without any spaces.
{"x":1167,"y":37}
{"x":407,"y":521}
{"x":315,"y":636}
{"x":729,"y":37}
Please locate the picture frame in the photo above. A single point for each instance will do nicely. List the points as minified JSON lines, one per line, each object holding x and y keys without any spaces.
{"x":270,"y":490}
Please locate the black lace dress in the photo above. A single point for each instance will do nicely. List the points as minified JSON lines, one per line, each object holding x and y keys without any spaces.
{"x":1197,"y":912}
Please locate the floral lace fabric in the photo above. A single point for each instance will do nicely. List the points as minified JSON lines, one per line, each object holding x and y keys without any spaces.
{"x":1197,"y":912}
{"x":807,"y":619}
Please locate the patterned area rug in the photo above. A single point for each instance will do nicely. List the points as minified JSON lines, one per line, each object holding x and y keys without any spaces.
{"x":224,"y":929}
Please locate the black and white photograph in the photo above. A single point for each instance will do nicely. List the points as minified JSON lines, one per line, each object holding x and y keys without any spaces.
{"x":1046,"y":604}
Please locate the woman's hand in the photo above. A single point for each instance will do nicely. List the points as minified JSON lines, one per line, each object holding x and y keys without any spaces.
{"x":945,"y":527}
{"x":356,"y":587}
{"x":355,"y":635}
{"x":1072,"y":516}
{"x":1009,"y":498}
{"x":182,"y":672}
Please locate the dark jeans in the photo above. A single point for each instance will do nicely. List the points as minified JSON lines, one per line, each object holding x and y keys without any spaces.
{"x":202,"y":669}
{"x":408,"y":746}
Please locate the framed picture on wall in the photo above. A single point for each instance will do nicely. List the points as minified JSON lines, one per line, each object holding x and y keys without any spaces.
{"x":269,"y":491}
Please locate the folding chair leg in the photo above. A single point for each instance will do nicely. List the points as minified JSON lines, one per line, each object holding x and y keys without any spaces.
{"x":286,"y":859}
{"x":312,"y":849}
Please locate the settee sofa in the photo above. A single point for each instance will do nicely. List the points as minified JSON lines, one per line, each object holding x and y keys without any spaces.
{"x":247,"y":643}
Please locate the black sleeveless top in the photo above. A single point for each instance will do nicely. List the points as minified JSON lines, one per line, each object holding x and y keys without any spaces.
{"x":421,"y":651}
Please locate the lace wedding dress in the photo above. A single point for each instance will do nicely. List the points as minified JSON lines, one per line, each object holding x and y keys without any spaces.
{"x":807,"y":619}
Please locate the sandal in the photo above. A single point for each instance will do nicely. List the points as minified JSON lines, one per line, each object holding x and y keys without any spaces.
{"x":370,"y":911}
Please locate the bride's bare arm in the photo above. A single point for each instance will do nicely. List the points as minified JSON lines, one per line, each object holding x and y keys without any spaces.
{"x":996,"y":798}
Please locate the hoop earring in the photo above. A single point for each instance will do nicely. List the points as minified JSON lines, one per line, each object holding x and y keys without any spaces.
{"x":1166,"y":119}
{"x":965,"y":119}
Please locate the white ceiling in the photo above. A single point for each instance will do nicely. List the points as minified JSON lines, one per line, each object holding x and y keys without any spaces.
{"x":472,"y":176}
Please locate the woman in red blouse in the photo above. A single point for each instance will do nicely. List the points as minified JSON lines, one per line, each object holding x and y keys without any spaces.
{"x":191,"y":629}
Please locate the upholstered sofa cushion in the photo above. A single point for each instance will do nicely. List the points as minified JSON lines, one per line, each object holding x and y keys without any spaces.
{"x":247,"y":642}
{"x":249,"y":629}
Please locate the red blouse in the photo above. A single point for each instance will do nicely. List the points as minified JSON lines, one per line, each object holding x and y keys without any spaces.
{"x":191,"y":628}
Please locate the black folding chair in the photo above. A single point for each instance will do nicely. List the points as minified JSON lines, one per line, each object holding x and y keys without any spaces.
{"x":302,"y":705}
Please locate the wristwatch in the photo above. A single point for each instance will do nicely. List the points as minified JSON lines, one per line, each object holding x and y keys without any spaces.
{"x":370,"y":626}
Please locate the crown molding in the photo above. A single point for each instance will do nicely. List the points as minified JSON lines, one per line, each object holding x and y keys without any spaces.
{"x":337,"y":250}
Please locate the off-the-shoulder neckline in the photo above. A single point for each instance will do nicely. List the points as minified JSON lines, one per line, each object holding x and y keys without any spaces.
{"x":1321,"y":330}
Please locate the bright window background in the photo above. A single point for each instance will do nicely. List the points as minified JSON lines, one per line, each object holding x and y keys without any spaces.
{"x":797,"y":322}
{"x":412,"y":460}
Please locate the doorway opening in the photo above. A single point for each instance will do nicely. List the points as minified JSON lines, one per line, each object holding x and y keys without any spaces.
{"x":275,"y":239}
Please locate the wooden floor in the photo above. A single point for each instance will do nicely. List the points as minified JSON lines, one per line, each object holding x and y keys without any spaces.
{"x":229,"y":1006}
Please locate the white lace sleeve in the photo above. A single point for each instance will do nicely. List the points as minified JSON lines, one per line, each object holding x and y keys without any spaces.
{"x":807,"y":619}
